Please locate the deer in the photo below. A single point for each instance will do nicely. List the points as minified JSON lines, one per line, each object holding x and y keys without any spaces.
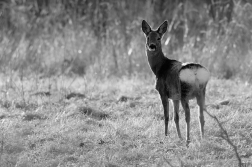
{"x":175,"y":81}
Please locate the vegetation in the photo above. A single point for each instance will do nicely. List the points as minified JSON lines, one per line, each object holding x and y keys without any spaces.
{"x":104,"y":37}
{"x":76,"y":89}
{"x":119,"y":122}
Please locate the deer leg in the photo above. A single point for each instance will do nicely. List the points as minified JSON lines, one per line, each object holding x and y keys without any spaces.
{"x":185,"y":105}
{"x":201,"y":104}
{"x":176,"y":116}
{"x":165,"y":103}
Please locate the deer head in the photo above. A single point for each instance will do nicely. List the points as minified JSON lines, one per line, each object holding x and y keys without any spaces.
{"x":153,"y":37}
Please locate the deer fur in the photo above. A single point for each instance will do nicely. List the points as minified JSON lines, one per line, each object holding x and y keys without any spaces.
{"x":179,"y":82}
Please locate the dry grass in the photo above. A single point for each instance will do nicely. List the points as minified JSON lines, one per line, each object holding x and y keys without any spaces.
{"x":117,"y":122}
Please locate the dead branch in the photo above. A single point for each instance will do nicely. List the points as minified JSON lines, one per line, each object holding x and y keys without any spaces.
{"x":225,"y":136}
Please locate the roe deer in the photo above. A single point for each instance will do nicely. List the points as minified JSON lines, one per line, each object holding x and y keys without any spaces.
{"x":175,"y":80}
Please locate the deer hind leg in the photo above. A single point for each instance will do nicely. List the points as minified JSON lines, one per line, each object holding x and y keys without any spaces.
{"x":185,"y":105}
{"x":165,"y":103}
{"x":176,"y":116}
{"x":201,"y":104}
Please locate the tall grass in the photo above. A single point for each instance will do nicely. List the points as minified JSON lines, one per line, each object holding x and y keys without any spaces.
{"x":53,"y":45}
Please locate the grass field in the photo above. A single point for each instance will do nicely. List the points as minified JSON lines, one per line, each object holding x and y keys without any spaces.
{"x":118,"y":122}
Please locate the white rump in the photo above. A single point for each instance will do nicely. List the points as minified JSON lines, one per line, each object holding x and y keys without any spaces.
{"x":194,"y":75}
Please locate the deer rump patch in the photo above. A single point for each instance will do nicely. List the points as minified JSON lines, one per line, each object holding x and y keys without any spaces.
{"x":194,"y":74}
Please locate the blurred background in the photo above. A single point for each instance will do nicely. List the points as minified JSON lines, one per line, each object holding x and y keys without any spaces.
{"x":104,"y":38}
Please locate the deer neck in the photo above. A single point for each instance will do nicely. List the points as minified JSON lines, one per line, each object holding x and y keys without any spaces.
{"x":156,"y":60}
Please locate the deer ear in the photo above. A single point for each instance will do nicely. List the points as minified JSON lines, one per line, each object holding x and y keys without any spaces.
{"x":145,"y":27}
{"x":163,"y":27}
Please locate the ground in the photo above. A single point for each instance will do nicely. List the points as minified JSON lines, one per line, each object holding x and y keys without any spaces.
{"x":80,"y":121}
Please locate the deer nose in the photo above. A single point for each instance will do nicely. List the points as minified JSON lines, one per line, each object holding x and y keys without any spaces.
{"x":152,"y":46}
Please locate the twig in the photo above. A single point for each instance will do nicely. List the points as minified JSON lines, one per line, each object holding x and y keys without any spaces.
{"x":226,"y":137}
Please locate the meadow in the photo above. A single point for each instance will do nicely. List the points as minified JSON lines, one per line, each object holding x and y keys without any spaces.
{"x":82,"y":121}
{"x":76,"y":89}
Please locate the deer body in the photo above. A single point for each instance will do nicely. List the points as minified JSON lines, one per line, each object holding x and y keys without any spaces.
{"x":175,"y":80}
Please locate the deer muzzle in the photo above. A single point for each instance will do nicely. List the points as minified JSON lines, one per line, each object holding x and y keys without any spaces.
{"x":152,"y":47}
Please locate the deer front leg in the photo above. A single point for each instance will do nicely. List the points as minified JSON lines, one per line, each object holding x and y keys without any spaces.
{"x":165,"y":103}
{"x":185,"y":105}
{"x":176,"y":116}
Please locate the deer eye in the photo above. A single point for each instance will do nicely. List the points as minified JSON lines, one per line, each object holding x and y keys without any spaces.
{"x":159,"y":39}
